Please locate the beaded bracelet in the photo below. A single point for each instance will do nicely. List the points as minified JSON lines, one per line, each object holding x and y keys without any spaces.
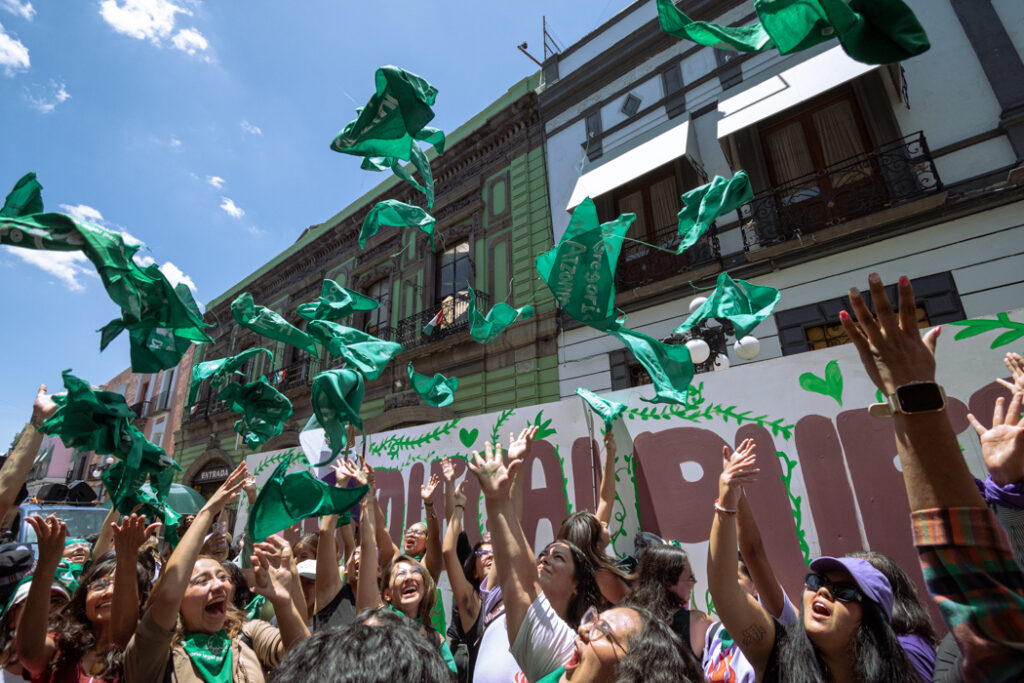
{"x":724,"y":511}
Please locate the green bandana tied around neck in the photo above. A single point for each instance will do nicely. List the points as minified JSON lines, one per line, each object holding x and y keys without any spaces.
{"x":211,"y":655}
{"x":437,"y":391}
{"x":287,"y":499}
{"x":870,"y":31}
{"x":336,"y":303}
{"x":364,"y":352}
{"x":743,"y":304}
{"x":69,"y":576}
{"x":270,"y":324}
{"x":486,"y":329}
{"x":703,"y":205}
{"x":580,"y":271}
{"x":669,"y":365}
{"x":337,"y":396}
{"x":264,"y":410}
{"x":606,"y":410}
{"x":220,"y":370}
{"x":395,"y":214}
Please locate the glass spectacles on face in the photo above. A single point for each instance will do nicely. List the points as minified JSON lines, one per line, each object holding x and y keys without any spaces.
{"x":100,"y":585}
{"x":484,"y":554}
{"x":415,"y":531}
{"x":843,"y":591}
{"x":597,"y":628}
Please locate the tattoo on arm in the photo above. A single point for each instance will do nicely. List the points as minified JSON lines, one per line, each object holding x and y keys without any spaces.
{"x":752,"y":635}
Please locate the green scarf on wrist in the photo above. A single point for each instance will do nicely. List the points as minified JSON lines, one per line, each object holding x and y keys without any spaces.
{"x":211,"y":654}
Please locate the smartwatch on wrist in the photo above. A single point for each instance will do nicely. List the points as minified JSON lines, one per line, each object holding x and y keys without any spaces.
{"x":911,"y":399}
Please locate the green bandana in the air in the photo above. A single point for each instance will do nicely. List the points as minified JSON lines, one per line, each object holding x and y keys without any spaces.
{"x":264,"y":410}
{"x":437,"y":391}
{"x":270,"y":324}
{"x":211,"y":654}
{"x":395,"y":214}
{"x":703,"y":205}
{"x":669,"y":365}
{"x":486,"y":328}
{"x":336,"y":303}
{"x":337,"y":396}
{"x":607,"y":410}
{"x":743,"y":304}
{"x":220,"y":370}
{"x":364,"y":352}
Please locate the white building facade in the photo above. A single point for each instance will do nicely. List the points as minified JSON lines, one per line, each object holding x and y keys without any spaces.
{"x":914,"y":168}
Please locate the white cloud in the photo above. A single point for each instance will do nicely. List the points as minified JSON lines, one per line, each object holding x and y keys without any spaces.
{"x":13,"y":53}
{"x":251,"y":129}
{"x":175,"y":142}
{"x":143,"y":261}
{"x":25,"y":10}
{"x":66,"y":266}
{"x":254,"y":231}
{"x":215,"y":180}
{"x":82,"y":212}
{"x":175,"y":276}
{"x":151,"y":20}
{"x":190,"y":41}
{"x":45,"y":100}
{"x":231,"y":208}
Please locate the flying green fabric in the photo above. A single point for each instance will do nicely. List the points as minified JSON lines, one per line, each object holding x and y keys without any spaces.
{"x":26,"y":198}
{"x":669,"y":365}
{"x":437,"y":391}
{"x":270,"y":324}
{"x":743,"y":304}
{"x":580,"y":271}
{"x":607,"y":410}
{"x":419,"y":162}
{"x":337,"y":396}
{"x":390,"y":122}
{"x":125,"y":486}
{"x":486,"y":328}
{"x":336,"y":303}
{"x":703,"y":205}
{"x":392,"y":213}
{"x":870,"y":31}
{"x":287,"y":499}
{"x":366,"y":353}
{"x":220,"y":370}
{"x":264,"y":410}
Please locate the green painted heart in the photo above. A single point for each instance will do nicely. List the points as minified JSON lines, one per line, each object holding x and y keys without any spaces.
{"x":832,"y":385}
{"x":468,"y":437}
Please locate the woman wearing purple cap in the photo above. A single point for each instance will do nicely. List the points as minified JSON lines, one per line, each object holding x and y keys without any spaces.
{"x":844,"y":632}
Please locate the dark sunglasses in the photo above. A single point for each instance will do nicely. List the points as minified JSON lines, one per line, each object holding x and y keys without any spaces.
{"x":844,"y":592}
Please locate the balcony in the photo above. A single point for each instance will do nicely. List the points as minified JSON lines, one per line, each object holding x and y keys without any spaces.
{"x":142,"y":409}
{"x":454,"y":320}
{"x":896,"y":174}
{"x":640,"y":265}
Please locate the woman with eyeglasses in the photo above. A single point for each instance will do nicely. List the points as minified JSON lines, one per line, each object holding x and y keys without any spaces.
{"x":844,"y":632}
{"x":627,"y":644}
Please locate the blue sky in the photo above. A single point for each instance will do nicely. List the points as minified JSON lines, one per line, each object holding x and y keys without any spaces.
{"x":202,"y":129}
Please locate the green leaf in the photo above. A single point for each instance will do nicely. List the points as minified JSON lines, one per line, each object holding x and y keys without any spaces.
{"x":1007,"y":337}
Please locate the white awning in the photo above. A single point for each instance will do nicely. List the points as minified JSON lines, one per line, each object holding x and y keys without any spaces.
{"x":791,"y":87}
{"x":632,"y":164}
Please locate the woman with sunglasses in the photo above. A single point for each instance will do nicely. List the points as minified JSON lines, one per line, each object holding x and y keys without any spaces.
{"x":844,"y":632}
{"x":625,"y":643}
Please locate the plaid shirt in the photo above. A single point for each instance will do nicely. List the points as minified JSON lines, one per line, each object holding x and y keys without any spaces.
{"x":971,"y":574}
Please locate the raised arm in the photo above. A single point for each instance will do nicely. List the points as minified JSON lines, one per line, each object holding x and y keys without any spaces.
{"x":106,"y":537}
{"x":128,"y":538}
{"x":274,"y":582}
{"x":751,"y":627}
{"x":388,"y":550}
{"x":513,"y":558}
{"x":279,"y":551}
{"x":328,"y":581}
{"x":165,"y":600}
{"x":35,"y":648}
{"x":15,"y":471}
{"x":432,"y":558}
{"x":607,"y":497}
{"x":448,"y":474}
{"x":367,"y":592}
{"x":754,"y":556}
{"x":466,"y":597}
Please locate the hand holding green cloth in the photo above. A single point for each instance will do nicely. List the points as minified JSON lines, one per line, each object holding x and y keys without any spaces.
{"x":287,"y":499}
{"x":703,"y":205}
{"x":669,"y":365}
{"x":743,"y":304}
{"x":364,"y":352}
{"x":388,"y":125}
{"x":264,"y":410}
{"x":437,"y":391}
{"x":395,"y":214}
{"x":580,"y":270}
{"x":337,"y":396}
{"x":219,"y":370}
{"x":870,"y":31}
{"x":336,"y":303}
{"x":25,"y":199}
{"x":486,"y":328}
{"x":607,"y":410}
{"x":270,"y":324}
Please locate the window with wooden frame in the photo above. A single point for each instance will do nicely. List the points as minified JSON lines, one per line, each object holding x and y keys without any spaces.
{"x":452,"y":285}
{"x":380,"y":317}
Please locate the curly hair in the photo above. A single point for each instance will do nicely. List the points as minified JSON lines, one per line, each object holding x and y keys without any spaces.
{"x":430,"y":594}
{"x":654,"y":654}
{"x":588,"y":594}
{"x":660,"y":567}
{"x":908,"y":614}
{"x":74,"y":633}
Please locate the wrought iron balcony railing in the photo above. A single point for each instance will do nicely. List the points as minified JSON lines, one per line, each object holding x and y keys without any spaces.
{"x":454,"y":312}
{"x":895,"y":173}
{"x":641,"y":265}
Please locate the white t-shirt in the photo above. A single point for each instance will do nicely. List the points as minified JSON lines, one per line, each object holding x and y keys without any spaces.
{"x":494,"y":662}
{"x":544,"y":642}
{"x":725,"y":663}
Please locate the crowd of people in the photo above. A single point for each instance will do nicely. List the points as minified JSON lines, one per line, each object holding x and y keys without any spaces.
{"x":131,"y":608}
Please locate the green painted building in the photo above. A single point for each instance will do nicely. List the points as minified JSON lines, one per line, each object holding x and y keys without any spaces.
{"x":493,"y":220}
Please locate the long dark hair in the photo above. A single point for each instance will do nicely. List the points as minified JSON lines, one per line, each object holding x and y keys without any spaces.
{"x":655,"y":653}
{"x":469,"y":565}
{"x":583,"y":529}
{"x":878,"y":656}
{"x":588,"y":594}
{"x":660,"y":567}
{"x":73,"y":632}
{"x":908,"y":614}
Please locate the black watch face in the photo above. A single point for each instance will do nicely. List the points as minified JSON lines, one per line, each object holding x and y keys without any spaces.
{"x":916,"y":398}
